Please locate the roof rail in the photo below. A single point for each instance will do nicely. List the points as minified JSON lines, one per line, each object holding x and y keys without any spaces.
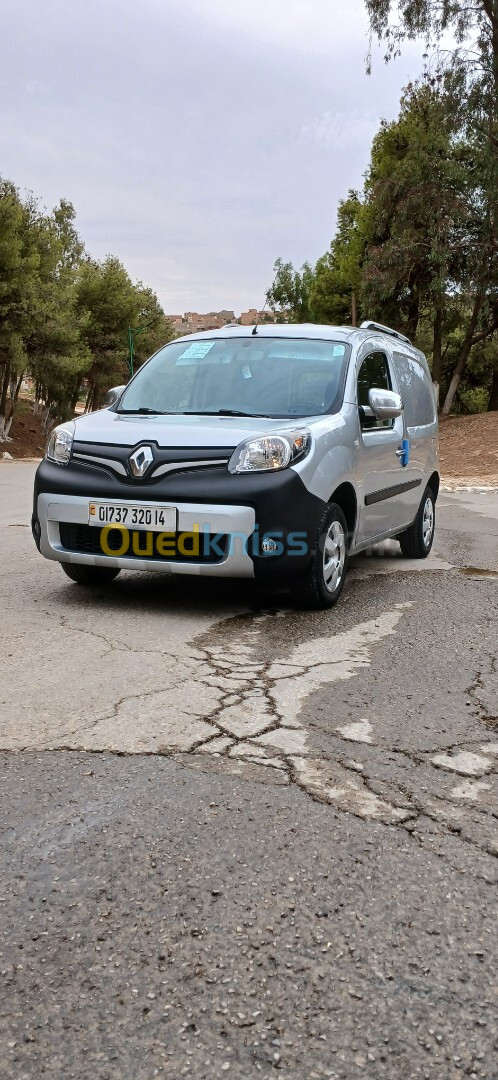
{"x":384,"y":330}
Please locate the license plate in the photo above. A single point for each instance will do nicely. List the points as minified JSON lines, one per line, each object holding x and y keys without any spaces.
{"x":150,"y":517}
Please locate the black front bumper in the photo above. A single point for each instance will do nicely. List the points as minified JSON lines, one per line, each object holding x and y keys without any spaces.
{"x":284,"y":508}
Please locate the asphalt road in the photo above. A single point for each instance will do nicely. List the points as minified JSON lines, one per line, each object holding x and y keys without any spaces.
{"x":243,"y":840}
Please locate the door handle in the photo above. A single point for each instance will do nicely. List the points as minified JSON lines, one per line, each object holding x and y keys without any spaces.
{"x":403,"y":452}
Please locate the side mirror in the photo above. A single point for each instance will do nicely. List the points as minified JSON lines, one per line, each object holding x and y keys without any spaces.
{"x":385,"y":404}
{"x":112,"y":396}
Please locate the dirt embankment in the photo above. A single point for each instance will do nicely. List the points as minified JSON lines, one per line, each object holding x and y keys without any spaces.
{"x":28,"y":439}
{"x":468,"y":445}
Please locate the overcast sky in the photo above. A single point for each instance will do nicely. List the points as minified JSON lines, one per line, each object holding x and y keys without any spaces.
{"x":197,"y":139}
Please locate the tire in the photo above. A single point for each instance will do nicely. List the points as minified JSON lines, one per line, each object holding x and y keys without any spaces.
{"x":89,"y":575}
{"x":416,"y":542}
{"x":322,"y":583}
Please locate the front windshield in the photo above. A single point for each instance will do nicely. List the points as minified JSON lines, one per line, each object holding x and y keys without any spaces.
{"x":258,"y":376}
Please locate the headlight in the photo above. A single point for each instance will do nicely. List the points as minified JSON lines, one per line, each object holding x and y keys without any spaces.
{"x":270,"y":452}
{"x":60,"y":444}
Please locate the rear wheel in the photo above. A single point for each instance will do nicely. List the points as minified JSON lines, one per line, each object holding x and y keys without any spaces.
{"x":416,"y":542}
{"x":322,"y":583}
{"x":89,"y":575}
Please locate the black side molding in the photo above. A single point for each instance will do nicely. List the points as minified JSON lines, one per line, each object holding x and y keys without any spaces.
{"x":390,"y":492}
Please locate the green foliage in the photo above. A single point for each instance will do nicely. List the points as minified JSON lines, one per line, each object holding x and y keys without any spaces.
{"x":288,"y":296}
{"x":64,"y":318}
{"x":324,"y":293}
{"x":421,"y":223}
{"x":338,"y":274}
{"x":111,"y":305}
{"x":107,"y":301}
{"x":469,"y":75}
{"x":418,"y":248}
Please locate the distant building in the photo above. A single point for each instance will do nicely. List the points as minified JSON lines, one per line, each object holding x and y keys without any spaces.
{"x":192,"y":322}
{"x":248,"y":318}
{"x":176,"y":321}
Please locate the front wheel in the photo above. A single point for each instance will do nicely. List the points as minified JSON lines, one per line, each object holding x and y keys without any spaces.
{"x":89,"y":575}
{"x":416,"y":542}
{"x":322,"y":583}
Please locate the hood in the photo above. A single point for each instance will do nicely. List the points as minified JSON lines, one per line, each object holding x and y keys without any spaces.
{"x":227,"y":431}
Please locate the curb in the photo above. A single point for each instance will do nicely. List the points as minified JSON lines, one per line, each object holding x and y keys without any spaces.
{"x":16,"y":461}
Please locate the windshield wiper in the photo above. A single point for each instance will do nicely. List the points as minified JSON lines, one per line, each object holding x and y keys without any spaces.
{"x":143,"y":411}
{"x":220,"y":412}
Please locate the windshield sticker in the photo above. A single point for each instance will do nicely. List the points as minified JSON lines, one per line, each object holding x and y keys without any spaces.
{"x":338,"y":350}
{"x":196,"y":351}
{"x":246,"y":372}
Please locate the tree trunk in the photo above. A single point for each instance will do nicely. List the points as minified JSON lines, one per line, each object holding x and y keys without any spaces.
{"x":413,"y":315}
{"x":4,"y":391}
{"x":46,"y":419}
{"x":4,"y":430}
{"x":354,"y":309}
{"x":37,"y":404}
{"x":493,"y":397}
{"x":15,"y":396}
{"x":462,"y":359}
{"x":75,"y":397}
{"x":437,"y":351}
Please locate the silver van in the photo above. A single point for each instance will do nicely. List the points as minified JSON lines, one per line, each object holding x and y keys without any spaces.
{"x":258,"y":452}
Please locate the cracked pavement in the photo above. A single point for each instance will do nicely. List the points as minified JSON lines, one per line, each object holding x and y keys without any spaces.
{"x":187,"y":764}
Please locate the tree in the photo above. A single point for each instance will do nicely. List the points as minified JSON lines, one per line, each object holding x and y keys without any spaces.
{"x":334,"y":289}
{"x":111,"y":304}
{"x":37,"y":254}
{"x":420,"y":218}
{"x":56,"y":354}
{"x":470,"y":73}
{"x":288,"y":296}
{"x":326,"y":293}
{"x":64,"y":318}
{"x":152,"y":328}
{"x":13,"y":267}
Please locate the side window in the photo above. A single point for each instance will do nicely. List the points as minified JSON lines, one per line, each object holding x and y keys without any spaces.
{"x":416,"y":391}
{"x":373,"y":375}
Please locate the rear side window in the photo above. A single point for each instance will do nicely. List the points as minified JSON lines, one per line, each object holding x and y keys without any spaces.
{"x":416,"y":391}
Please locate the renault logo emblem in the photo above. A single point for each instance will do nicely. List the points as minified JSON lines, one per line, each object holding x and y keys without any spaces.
{"x":140,"y":460}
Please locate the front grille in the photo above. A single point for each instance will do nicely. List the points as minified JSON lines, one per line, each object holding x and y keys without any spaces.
{"x":168,"y":461}
{"x":85,"y":540}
